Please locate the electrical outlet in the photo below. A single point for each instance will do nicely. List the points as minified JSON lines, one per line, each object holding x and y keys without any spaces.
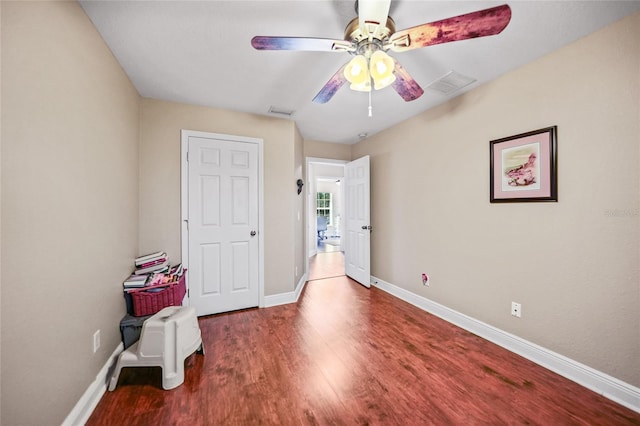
{"x":96,"y":341}
{"x":425,"y":279}
{"x":516,"y":309}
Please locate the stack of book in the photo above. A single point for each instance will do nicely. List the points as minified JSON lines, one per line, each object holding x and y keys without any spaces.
{"x":177,"y":270}
{"x":152,"y":270}
{"x":135,"y":281}
{"x":164,"y":278}
{"x":152,"y":263}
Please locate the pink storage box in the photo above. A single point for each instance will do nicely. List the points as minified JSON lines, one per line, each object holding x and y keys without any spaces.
{"x":147,"y":302}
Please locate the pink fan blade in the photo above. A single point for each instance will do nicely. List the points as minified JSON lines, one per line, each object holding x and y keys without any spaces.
{"x":476,"y":24}
{"x":300,"y":43}
{"x":332,"y":86}
{"x":405,"y":85}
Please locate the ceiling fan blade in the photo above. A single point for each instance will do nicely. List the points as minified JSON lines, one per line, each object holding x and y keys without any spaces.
{"x":336,"y":82}
{"x":300,"y":43}
{"x":471,"y":25}
{"x":372,"y":15}
{"x":405,"y":85}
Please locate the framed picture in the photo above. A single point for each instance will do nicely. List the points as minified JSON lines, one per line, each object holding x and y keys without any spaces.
{"x":523,"y":168}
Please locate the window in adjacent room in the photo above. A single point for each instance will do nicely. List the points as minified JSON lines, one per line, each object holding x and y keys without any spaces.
{"x":324,"y":205}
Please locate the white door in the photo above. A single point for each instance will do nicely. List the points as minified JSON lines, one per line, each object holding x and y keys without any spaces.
{"x":358,"y":223}
{"x":223,"y":218}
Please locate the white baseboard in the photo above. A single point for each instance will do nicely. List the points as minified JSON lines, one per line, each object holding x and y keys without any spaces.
{"x":89,"y":400}
{"x":285,"y":298}
{"x":614,"y":389}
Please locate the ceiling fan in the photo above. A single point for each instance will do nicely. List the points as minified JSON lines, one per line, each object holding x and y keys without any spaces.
{"x":372,"y":33}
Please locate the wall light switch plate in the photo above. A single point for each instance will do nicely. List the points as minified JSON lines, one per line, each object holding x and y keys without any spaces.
{"x":96,"y":341}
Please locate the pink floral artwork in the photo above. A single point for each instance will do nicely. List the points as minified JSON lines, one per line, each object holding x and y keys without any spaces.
{"x":520,"y":167}
{"x":524,"y":167}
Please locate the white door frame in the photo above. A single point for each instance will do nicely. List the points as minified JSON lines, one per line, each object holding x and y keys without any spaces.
{"x":184,"y":198}
{"x":311,"y":211}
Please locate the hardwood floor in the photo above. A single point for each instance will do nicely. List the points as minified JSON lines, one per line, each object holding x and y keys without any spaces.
{"x":326,"y":265}
{"x":347,"y":355}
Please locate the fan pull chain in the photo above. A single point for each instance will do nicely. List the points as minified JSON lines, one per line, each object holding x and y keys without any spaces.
{"x":370,"y":109}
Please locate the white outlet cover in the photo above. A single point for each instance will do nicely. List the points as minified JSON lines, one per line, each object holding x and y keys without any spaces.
{"x":516,"y":309}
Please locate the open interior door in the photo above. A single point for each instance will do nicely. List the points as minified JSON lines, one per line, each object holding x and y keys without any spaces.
{"x":358,"y":225}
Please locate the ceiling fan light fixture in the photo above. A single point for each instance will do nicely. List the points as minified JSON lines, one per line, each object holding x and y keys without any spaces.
{"x":373,"y":30}
{"x":357,"y":73}
{"x":362,"y":87}
{"x":381,"y":68}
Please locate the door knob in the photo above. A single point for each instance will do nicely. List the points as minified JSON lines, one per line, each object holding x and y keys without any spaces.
{"x":366,"y":227}
{"x":252,"y":233}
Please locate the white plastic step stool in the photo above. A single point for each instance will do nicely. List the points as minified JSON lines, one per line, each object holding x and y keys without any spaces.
{"x":166,"y":340}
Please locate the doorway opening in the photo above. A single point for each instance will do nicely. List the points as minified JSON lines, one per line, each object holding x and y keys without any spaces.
{"x":325,"y":207}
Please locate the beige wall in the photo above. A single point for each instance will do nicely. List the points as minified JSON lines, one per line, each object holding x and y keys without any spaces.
{"x":299,"y":210}
{"x":573,"y":265}
{"x":333,"y":151}
{"x":69,"y":206}
{"x":0,"y":214}
{"x":160,"y":126}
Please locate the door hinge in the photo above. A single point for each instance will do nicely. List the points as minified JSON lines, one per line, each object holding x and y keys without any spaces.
{"x":187,"y":156}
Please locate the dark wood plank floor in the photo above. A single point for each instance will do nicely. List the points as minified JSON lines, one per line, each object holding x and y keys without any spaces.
{"x":347,"y":355}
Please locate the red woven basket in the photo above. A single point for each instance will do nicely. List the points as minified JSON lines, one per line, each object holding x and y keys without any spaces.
{"x":146,"y":302}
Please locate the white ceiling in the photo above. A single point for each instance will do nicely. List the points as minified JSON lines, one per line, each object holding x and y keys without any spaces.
{"x":199,"y":52}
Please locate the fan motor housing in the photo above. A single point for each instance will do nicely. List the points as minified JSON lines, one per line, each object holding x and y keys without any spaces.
{"x":354,"y":33}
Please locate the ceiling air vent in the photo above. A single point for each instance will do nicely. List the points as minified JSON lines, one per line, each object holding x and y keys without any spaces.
{"x":450,"y":82}
{"x":281,"y":111}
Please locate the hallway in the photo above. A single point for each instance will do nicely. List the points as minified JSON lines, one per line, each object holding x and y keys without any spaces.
{"x":328,"y":262}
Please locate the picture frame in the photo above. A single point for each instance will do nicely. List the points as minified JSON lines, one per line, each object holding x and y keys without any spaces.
{"x":524,"y":167}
